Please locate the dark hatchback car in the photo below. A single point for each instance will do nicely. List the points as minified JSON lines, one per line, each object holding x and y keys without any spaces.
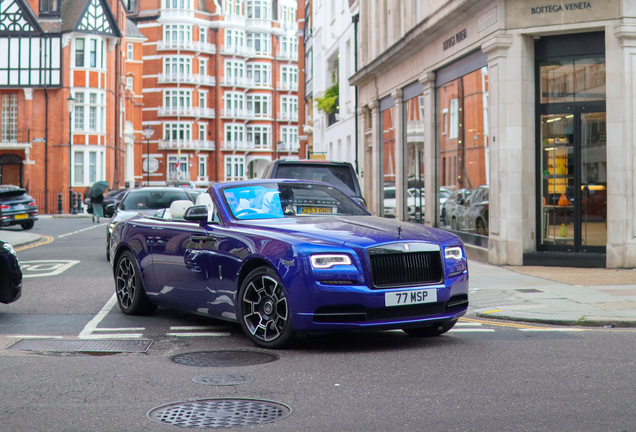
{"x":17,"y":207}
{"x":339,"y":174}
{"x":10,"y":274}
{"x":145,"y":201}
{"x":110,"y":197}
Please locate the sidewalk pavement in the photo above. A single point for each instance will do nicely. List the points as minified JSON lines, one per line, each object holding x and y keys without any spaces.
{"x":549,"y":295}
{"x":17,"y":237}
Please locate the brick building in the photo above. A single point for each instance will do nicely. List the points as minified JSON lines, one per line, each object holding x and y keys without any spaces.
{"x":220,"y":88}
{"x":52,"y":53}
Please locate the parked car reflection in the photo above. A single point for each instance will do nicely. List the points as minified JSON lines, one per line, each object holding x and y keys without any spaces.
{"x":467,"y":210}
{"x":390,"y":203}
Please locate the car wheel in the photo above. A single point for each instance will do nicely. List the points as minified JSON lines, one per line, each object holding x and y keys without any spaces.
{"x":27,"y":225}
{"x":107,"y":248}
{"x":131,"y":297}
{"x":264,"y":310}
{"x":430,"y":331}
{"x":480,"y":227}
{"x":454,"y":224}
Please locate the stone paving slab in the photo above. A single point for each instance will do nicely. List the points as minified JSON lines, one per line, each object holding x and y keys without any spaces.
{"x":18,"y":237}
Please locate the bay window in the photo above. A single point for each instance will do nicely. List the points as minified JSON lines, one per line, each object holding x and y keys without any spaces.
{"x":258,"y":105}
{"x":234,"y":168}
{"x":258,"y":137}
{"x":259,"y":74}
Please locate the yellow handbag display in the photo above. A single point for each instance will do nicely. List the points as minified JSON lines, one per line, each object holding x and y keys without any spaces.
{"x":563,"y":230}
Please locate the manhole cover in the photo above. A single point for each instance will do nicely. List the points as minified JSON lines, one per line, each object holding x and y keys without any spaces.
{"x":219,"y":413}
{"x":223,"y":379}
{"x":102,"y":345}
{"x":529,"y":290}
{"x":223,"y":358}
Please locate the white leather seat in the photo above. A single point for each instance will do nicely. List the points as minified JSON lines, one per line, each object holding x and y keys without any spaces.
{"x":206,"y":200}
{"x":178,"y":208}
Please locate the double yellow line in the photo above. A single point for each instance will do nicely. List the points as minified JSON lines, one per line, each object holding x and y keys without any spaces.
{"x":46,"y":240}
{"x":501,"y":324}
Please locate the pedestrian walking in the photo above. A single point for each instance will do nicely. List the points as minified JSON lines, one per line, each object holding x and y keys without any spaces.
{"x":96,"y":195}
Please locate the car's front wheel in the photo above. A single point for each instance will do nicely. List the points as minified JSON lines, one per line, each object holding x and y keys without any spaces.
{"x":264,"y":310}
{"x":430,"y":331}
{"x":131,"y":296}
{"x":27,"y":225}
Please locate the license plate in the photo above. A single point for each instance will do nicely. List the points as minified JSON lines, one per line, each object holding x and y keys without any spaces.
{"x":21,"y":216}
{"x":310,"y":210}
{"x":410,"y":297}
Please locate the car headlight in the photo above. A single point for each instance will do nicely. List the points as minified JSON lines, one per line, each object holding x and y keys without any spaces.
{"x":326,"y":261}
{"x":453,"y":253}
{"x":8,"y":247}
{"x":111,"y":227}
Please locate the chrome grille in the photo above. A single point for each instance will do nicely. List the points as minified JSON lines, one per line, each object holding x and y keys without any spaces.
{"x":406,"y":269}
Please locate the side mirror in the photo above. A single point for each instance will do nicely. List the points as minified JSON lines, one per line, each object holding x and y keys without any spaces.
{"x":197,"y":213}
{"x":109,"y":210}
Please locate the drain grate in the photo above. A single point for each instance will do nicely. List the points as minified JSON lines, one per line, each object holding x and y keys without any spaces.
{"x":219,"y":413}
{"x":224,"y":358}
{"x":223,"y":379}
{"x":102,"y":345}
{"x":529,"y":290}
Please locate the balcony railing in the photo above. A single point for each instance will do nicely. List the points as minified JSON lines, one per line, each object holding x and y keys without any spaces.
{"x":244,"y":145}
{"x":251,"y":114}
{"x":287,"y":55}
{"x":236,"y":19}
{"x":289,"y":116}
{"x":234,"y":113}
{"x":234,"y":82}
{"x":15,"y":138}
{"x":197,"y":79}
{"x":288,"y":25}
{"x":186,"y":145}
{"x":287,"y":85}
{"x":251,"y":52}
{"x":177,"y":13}
{"x":250,"y":82}
{"x":258,"y":23}
{"x":186,"y":112}
{"x":288,"y":147}
{"x":197,"y":46}
{"x":235,"y":50}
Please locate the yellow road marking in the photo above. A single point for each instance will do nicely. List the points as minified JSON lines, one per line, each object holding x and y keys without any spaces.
{"x":46,"y":241}
{"x":524,"y":326}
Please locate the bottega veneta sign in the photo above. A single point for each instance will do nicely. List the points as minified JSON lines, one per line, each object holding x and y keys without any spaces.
{"x":450,"y":42}
{"x":560,"y":8}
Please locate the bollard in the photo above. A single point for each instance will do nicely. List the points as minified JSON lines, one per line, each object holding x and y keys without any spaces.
{"x":59,"y":203}
{"x":74,"y":203}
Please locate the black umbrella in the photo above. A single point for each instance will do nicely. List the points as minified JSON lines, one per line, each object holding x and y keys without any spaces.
{"x":98,"y":188}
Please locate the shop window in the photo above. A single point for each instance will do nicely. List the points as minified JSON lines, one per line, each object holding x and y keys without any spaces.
{"x":573,"y":80}
{"x":388,"y":161}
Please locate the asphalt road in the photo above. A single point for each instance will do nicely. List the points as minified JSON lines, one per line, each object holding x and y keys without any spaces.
{"x":482,"y":376}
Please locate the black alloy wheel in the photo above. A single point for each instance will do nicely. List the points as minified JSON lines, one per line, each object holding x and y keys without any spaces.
{"x":131,"y":297}
{"x":430,"y":331}
{"x":264,"y":311}
{"x":27,"y":225}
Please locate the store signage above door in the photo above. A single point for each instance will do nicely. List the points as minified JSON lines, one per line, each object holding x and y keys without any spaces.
{"x":450,"y":42}
{"x":560,"y":7}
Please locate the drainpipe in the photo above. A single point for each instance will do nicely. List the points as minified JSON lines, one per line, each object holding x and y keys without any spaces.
{"x":217,"y":145}
{"x":355,"y":18}
{"x":46,"y":151}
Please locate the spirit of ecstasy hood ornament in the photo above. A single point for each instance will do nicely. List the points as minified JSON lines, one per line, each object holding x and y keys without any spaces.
{"x":399,"y":234}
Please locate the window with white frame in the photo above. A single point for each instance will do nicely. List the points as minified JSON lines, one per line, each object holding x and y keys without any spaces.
{"x":289,"y":46}
{"x":129,"y":83}
{"x":444,"y":121}
{"x":88,"y":165}
{"x":258,"y":105}
{"x":234,"y":71}
{"x":89,"y":105}
{"x":234,"y":40}
{"x":203,"y":34}
{"x":178,"y":4}
{"x":203,"y":167}
{"x":259,"y":74}
{"x":454,"y":119}
{"x":234,"y":134}
{"x":289,"y":107}
{"x":289,"y":77}
{"x":131,"y":51}
{"x":177,"y":131}
{"x":287,"y":14}
{"x":234,"y":167}
{"x":78,"y":111}
{"x":309,"y":65}
{"x":258,"y":9}
{"x":92,"y":112}
{"x":178,"y":65}
{"x":259,"y":137}
{"x":177,"y":32}
{"x":259,"y":42}
{"x":202,"y":131}
{"x":234,"y":103}
{"x":233,"y":7}
{"x":95,"y":52}
{"x":289,"y":135}
{"x":178,"y":167}
{"x":177,"y":98}
{"x":80,"y":52}
{"x":203,"y":67}
{"x":202,"y":99}
{"x":9,"y":122}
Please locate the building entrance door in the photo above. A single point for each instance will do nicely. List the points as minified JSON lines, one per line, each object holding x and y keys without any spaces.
{"x":573,"y":178}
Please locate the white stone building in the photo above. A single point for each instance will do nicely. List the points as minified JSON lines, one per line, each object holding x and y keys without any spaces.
{"x":333,"y":54}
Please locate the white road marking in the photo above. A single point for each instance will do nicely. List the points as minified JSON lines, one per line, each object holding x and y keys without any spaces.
{"x":34,"y":337}
{"x":470,"y":330}
{"x":186,"y":328}
{"x":468,"y":324}
{"x":198,"y":334}
{"x":82,"y":230}
{"x":92,"y":324}
{"x":42,"y":268}
{"x":113,"y":336}
{"x":119,"y":329}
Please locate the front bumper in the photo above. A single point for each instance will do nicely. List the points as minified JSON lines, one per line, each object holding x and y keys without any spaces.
{"x":16,"y":219}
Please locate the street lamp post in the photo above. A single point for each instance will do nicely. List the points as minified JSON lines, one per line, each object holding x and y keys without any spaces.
{"x":147,"y":133}
{"x":70,"y":104}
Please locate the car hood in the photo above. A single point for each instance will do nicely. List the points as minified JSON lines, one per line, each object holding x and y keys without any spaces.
{"x":354,"y":231}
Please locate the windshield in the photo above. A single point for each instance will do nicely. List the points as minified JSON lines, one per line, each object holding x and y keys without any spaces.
{"x":152,"y":199}
{"x":337,"y":175}
{"x":278,"y":200}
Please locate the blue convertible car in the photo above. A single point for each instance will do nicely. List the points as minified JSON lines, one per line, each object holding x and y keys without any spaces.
{"x":289,"y":257}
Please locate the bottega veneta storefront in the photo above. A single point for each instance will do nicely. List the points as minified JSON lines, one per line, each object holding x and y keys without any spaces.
{"x":517,"y":125}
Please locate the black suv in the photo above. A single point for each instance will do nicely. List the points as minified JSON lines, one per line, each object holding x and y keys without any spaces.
{"x":17,"y":207}
{"x":340,"y":174}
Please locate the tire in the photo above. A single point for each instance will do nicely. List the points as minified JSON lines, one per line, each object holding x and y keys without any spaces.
{"x":263,"y":310}
{"x":107,"y":248}
{"x":27,"y":225}
{"x":480,"y":227}
{"x":131,"y":297}
{"x":430,"y":331}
